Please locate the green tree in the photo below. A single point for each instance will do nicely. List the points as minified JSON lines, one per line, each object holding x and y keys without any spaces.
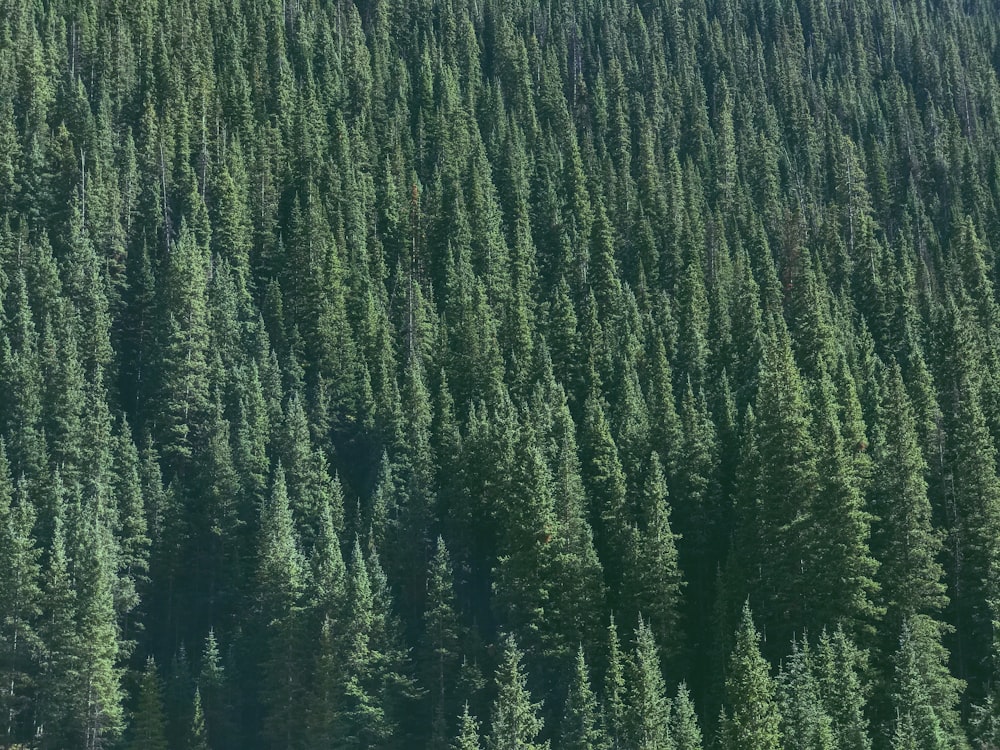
{"x":753,"y":718}
{"x":468,"y":732}
{"x":148,"y":725}
{"x":804,"y":720}
{"x":648,"y":707}
{"x":516,"y":723}
{"x":182,"y":370}
{"x":281,"y":572}
{"x":580,"y":728}
{"x":839,"y":665}
{"x":918,"y":722}
{"x":655,"y":573}
{"x":684,"y":722}
{"x":198,"y":737}
{"x":21,"y":594}
{"x":441,"y":642}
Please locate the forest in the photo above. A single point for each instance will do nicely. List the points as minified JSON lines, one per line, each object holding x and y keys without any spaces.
{"x":499,"y":374}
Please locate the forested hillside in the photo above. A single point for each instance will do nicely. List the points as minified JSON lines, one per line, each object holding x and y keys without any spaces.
{"x":503,"y":374}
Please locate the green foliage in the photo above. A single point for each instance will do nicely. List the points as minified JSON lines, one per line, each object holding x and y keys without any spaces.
{"x":149,"y":728}
{"x":353,"y":334}
{"x":753,"y":718}
{"x":580,"y":728}
{"x":515,"y":721}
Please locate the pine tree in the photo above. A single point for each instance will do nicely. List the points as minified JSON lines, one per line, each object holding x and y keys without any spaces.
{"x":468,"y":732}
{"x":440,"y":641}
{"x":183,"y":350}
{"x":753,"y":719}
{"x":213,"y":700}
{"x":198,"y":737}
{"x":605,"y":483}
{"x":614,"y":703}
{"x":281,"y":580}
{"x":844,"y":586}
{"x":648,"y":708}
{"x":908,"y":545}
{"x":149,"y":726}
{"x":656,"y":576}
{"x":516,"y":723}
{"x":684,"y":722}
{"x":361,"y":718}
{"x":919,"y":723}
{"x":580,"y":728}
{"x":804,"y":721}
{"x":21,"y":596}
{"x":838,"y":667}
{"x":787,"y":480}
{"x":98,"y":719}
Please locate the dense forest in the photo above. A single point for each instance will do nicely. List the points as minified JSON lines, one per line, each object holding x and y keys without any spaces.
{"x":503,"y":374}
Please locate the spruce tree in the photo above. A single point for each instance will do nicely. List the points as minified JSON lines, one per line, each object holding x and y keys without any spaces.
{"x":655,"y":575}
{"x":804,"y":720}
{"x":198,"y":737}
{"x":648,"y":707}
{"x":839,"y":666}
{"x":580,"y":728}
{"x":468,"y":732}
{"x":515,"y":723}
{"x":684,"y":722}
{"x":148,"y":728}
{"x":21,"y":594}
{"x":440,"y":641}
{"x":281,"y":574}
{"x":752,"y":719}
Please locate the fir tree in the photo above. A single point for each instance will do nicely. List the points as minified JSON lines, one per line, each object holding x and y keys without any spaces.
{"x":684,"y":722}
{"x":515,"y":722}
{"x":149,"y":726}
{"x":580,"y":727}
{"x":468,"y":732}
{"x":648,"y":707}
{"x":21,"y":594}
{"x":753,"y":718}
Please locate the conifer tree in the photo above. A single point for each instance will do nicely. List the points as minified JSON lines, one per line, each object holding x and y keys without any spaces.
{"x":656,"y":577}
{"x":21,"y":594}
{"x":468,"y":732}
{"x":839,"y":666}
{"x":614,"y":695}
{"x":684,"y":722}
{"x":212,"y":698}
{"x":198,"y":738}
{"x":96,"y":676}
{"x":648,"y":708}
{"x":804,"y":721}
{"x":183,"y":350}
{"x":917,"y":720}
{"x":752,"y":719}
{"x":515,"y":721}
{"x":281,"y":580}
{"x":440,"y":641}
{"x":149,"y":726}
{"x":908,"y":545}
{"x":580,"y":727}
{"x":605,"y":483}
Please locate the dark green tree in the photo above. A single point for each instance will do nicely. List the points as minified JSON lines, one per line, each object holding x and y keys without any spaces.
{"x":580,"y":728}
{"x":752,"y":719}
{"x":148,"y":729}
{"x":516,"y":723}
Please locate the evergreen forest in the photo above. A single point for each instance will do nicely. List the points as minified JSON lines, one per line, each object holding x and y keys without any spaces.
{"x":499,"y":374}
